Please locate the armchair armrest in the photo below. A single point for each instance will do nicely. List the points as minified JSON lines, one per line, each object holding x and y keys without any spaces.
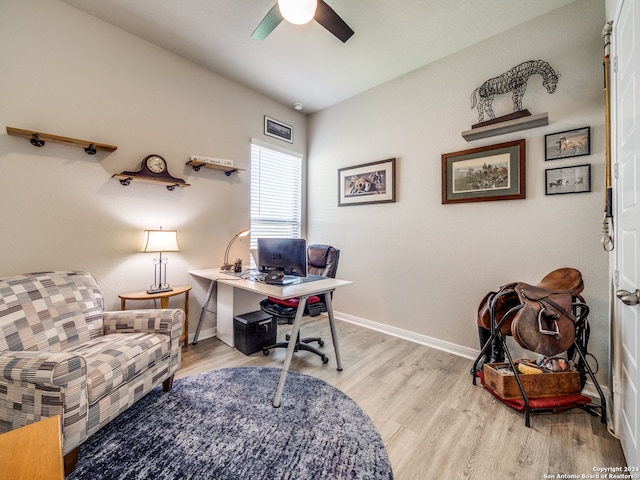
{"x":49,"y":369}
{"x":165,"y":321}
{"x":36,"y":385}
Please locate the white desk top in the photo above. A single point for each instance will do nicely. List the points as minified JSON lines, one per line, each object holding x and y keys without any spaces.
{"x":287,"y":291}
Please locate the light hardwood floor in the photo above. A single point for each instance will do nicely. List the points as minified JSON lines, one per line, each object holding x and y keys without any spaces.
{"x":435,"y":424}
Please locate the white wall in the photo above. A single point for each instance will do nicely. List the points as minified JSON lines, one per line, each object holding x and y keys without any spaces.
{"x":418,"y":266}
{"x":423,"y":267}
{"x":67,"y":73}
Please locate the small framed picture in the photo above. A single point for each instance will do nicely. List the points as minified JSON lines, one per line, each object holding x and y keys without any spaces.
{"x":373,"y":182}
{"x":276,"y":129}
{"x":576,"y":179}
{"x":572,"y":143}
{"x":495,"y":172}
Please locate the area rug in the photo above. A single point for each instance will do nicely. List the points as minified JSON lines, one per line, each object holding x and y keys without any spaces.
{"x":221,"y":425}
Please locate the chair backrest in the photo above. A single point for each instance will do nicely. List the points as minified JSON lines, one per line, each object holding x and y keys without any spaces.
{"x":49,"y":311}
{"x":322,"y":260}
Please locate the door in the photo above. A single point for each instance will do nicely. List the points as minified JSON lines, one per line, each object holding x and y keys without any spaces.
{"x":626,"y":82}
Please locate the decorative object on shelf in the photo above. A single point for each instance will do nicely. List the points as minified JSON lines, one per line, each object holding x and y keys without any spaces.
{"x":38,"y":139}
{"x":575,"y":179}
{"x":197,"y":162}
{"x":571,"y":143}
{"x":159,"y":241}
{"x":494,"y":172}
{"x":230,"y":266}
{"x":515,"y":81}
{"x":153,"y":170}
{"x":276,"y":129}
{"x":373,"y":182}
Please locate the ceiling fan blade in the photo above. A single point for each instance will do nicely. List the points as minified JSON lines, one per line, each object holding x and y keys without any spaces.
{"x":329,"y":19}
{"x":268,"y":23}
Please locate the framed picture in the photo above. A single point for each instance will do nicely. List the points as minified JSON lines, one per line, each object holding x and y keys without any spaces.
{"x":367,"y":183}
{"x":572,"y":143}
{"x":576,"y":179}
{"x":276,"y":129}
{"x":495,"y":172}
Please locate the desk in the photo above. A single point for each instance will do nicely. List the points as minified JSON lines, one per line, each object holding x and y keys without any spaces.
{"x":227,"y":284}
{"x":164,"y":303}
{"x":33,"y":451}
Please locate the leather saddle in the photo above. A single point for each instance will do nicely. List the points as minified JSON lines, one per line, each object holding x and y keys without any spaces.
{"x":541,"y":316}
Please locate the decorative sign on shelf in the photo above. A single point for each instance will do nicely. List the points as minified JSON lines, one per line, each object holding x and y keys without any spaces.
{"x":212,"y":161}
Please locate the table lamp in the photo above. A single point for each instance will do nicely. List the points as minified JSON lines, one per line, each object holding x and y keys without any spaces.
{"x":160,"y":241}
{"x":227,"y":265}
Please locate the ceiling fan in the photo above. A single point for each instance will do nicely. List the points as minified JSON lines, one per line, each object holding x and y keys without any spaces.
{"x":300,"y":12}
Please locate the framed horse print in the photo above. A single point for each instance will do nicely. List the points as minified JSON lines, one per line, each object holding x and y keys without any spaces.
{"x":494,"y":172}
{"x":572,"y":143}
{"x":576,"y":179}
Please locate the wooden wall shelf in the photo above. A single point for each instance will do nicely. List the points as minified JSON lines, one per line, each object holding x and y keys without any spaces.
{"x":38,"y":139}
{"x":501,"y":128}
{"x":227,"y":170}
{"x":126,"y":179}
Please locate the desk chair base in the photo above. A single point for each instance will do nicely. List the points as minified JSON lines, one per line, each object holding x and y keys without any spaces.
{"x":300,"y":345}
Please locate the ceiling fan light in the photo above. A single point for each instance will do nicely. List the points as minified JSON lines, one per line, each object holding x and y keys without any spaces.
{"x":298,"y":11}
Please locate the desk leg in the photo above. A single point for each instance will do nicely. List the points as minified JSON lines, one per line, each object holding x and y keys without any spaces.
{"x":204,"y":311}
{"x":290,"y":349}
{"x":186,"y":319}
{"x":224,"y":314}
{"x":332,"y":325}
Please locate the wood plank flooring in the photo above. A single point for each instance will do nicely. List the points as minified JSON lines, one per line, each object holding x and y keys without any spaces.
{"x":433,"y":421}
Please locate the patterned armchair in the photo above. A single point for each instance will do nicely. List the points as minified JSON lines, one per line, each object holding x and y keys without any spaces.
{"x":61,"y":354}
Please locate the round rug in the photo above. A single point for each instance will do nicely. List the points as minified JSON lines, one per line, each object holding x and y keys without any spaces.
{"x":221,"y":425}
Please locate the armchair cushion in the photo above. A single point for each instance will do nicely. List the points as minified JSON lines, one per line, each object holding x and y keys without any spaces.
{"x":116,"y":359}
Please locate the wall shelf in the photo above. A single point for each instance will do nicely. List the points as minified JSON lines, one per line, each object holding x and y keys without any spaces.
{"x":126,"y":178}
{"x":227,"y":170}
{"x":38,"y":139}
{"x":509,"y":126}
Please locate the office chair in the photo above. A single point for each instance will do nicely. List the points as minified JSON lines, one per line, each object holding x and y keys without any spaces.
{"x":323,"y":261}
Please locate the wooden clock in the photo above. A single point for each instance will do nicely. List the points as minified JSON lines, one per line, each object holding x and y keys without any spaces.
{"x":152,"y":170}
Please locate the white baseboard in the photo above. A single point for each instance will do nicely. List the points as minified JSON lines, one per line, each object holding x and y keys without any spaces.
{"x":461,"y":351}
{"x":465,"y":352}
{"x":442,"y":345}
{"x":204,"y":334}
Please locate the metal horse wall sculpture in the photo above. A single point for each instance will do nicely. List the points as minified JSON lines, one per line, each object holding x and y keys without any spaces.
{"x":514,"y":80}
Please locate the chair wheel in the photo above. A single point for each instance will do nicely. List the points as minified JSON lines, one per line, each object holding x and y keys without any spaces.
{"x":287,"y":337}
{"x":325,"y":359}
{"x":265,"y":351}
{"x":321,"y":343}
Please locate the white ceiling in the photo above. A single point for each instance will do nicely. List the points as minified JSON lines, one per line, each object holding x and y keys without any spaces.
{"x":306,"y":63}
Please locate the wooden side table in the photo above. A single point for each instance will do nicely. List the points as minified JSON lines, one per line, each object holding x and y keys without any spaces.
{"x":164,"y":303}
{"x":33,"y":451}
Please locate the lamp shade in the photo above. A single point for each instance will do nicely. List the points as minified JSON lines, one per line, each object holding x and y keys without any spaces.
{"x":298,"y":11}
{"x":160,"y":241}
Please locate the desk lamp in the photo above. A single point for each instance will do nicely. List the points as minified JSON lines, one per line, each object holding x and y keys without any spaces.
{"x":227,"y":265}
{"x":160,"y":241}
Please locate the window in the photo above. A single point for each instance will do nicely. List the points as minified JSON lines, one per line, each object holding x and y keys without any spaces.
{"x":276,"y":193}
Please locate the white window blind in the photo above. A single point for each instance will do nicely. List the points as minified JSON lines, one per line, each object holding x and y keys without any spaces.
{"x":276,"y":194}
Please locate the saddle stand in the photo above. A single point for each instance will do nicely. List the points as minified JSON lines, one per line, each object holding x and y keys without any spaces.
{"x":497,"y":338}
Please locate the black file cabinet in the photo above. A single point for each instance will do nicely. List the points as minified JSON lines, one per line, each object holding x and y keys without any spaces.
{"x":254,"y":330}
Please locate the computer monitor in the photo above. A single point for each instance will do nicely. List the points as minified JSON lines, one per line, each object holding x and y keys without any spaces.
{"x":285,"y":255}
